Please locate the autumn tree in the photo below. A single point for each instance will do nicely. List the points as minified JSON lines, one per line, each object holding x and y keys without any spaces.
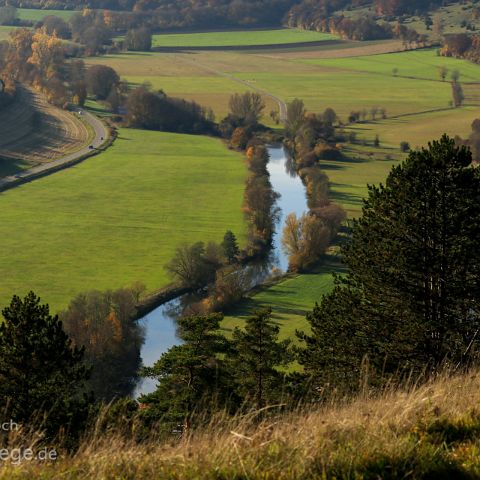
{"x":295,"y":117}
{"x":138,"y":40}
{"x":329,"y":116}
{"x":248,"y":107}
{"x":458,"y":95}
{"x":56,"y":26}
{"x":190,"y":266}
{"x":304,"y":240}
{"x":443,"y":71}
{"x":103,"y":323}
{"x":100,"y":79}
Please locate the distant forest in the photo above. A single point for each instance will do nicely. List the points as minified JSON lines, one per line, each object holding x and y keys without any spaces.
{"x":174,"y":14}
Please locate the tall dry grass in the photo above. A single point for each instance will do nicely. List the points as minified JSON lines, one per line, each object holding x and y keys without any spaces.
{"x":426,"y":431}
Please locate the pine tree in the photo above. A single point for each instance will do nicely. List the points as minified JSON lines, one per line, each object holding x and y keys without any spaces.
{"x":256,"y":358}
{"x":41,"y":373}
{"x":230,"y":247}
{"x":412,"y":295}
{"x":191,"y":376}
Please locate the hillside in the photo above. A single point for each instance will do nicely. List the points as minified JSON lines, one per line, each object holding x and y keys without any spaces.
{"x":427,"y":432}
{"x":35,"y":132}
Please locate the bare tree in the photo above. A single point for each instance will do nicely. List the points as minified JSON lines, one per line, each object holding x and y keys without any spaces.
{"x":248,"y":107}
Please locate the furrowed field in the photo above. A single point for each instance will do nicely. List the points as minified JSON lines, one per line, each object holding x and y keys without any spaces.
{"x":118,"y":217}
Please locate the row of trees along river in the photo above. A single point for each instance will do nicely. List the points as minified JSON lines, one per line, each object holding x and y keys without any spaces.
{"x":160,"y":324}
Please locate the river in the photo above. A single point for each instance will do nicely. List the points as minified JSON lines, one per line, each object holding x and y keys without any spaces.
{"x":160,"y":325}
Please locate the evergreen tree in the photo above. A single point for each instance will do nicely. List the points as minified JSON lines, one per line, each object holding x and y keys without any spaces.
{"x":41,"y":374}
{"x":412,"y":295}
{"x":257,"y":354}
{"x":230,"y":247}
{"x":191,"y":377}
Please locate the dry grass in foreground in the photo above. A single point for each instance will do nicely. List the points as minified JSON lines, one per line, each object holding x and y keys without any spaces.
{"x":429,"y":432}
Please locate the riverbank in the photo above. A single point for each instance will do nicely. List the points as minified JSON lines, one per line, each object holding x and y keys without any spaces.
{"x":160,"y":323}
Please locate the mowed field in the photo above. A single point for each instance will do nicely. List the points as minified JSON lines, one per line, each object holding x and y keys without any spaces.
{"x":240,"y":38}
{"x":35,"y":15}
{"x":290,"y":300}
{"x":117,"y":218}
{"x":416,"y":100}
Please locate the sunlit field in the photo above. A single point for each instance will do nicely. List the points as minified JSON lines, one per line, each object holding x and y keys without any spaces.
{"x":117,"y":218}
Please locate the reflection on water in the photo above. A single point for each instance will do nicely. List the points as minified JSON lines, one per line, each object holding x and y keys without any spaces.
{"x":160,"y":326}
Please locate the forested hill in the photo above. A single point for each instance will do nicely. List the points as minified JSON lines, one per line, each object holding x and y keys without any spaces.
{"x":236,"y":11}
{"x":333,"y":16}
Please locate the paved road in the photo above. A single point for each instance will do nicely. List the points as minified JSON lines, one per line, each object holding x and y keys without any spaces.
{"x":101,"y":135}
{"x":281,"y":104}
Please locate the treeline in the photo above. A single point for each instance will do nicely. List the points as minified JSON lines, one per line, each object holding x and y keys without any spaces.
{"x":319,"y":17}
{"x":311,"y":138}
{"x":37,"y":59}
{"x":473,"y":141}
{"x":42,"y":61}
{"x":165,"y":14}
{"x":400,"y":7}
{"x":462,"y":45}
{"x":157,"y":111}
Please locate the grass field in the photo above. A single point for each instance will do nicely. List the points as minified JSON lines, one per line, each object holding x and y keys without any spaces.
{"x":417,"y":95}
{"x":117,"y":218}
{"x":35,"y":15}
{"x":420,"y":64}
{"x":290,"y":300}
{"x":4,"y":32}
{"x":240,"y":38}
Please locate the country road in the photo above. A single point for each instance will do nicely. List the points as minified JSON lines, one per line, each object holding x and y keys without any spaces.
{"x":101,"y":135}
{"x":282,"y":106}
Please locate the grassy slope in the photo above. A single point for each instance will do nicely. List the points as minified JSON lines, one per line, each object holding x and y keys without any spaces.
{"x":117,"y":218}
{"x":290,"y":300}
{"x":239,"y":38}
{"x":428,"y":431}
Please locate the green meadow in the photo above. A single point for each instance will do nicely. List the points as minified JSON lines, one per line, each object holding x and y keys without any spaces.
{"x":291,"y":299}
{"x":419,"y":64}
{"x":4,"y":32}
{"x":240,"y":38}
{"x":35,"y":15}
{"x":117,"y":218}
